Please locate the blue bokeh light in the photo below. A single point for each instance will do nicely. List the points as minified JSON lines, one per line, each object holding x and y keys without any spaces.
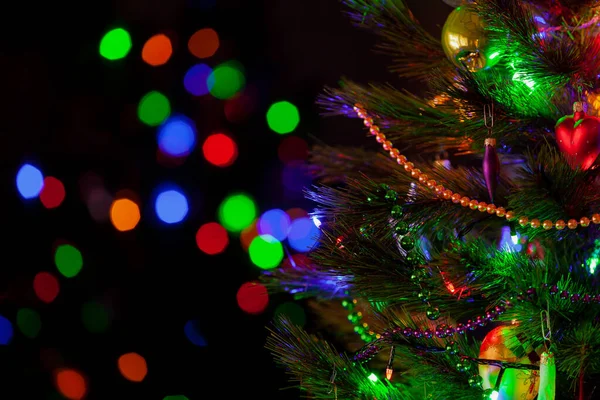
{"x":303,"y":234}
{"x":30,"y":181}
{"x":171,"y":206}
{"x":196,"y":81}
{"x":275,"y":223}
{"x":177,"y":136}
{"x":192,"y":332}
{"x":6,"y":331}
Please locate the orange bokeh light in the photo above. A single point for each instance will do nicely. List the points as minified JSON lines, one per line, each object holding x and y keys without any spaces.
{"x":124,"y":214}
{"x":248,"y":235}
{"x":204,"y":43}
{"x":71,"y":384}
{"x":133,"y":367}
{"x":157,"y":50}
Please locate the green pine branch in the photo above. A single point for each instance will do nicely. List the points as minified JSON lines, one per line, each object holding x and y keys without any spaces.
{"x":414,"y":51}
{"x":314,"y":364}
{"x":310,"y":362}
{"x":547,"y":188}
{"x":552,"y":60}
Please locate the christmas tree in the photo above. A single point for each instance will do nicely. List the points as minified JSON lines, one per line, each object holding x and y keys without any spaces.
{"x":462,"y":248}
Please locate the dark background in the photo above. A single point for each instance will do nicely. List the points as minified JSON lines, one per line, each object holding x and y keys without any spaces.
{"x":70,"y":111}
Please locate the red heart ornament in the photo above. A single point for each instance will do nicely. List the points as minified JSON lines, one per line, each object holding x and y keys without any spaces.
{"x":578,"y":137}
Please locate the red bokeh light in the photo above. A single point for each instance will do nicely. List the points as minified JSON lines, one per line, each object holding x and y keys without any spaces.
{"x":240,"y":107}
{"x":296,"y":213}
{"x":212,"y":238}
{"x":46,"y":287}
{"x":252,"y":298}
{"x":71,"y":384}
{"x":220,"y":150}
{"x":53,"y":192}
{"x":292,"y":149}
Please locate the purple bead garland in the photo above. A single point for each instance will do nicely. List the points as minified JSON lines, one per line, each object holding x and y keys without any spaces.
{"x":443,"y":330}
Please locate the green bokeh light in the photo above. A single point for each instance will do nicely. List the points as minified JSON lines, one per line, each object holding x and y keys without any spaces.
{"x":237,"y":212}
{"x":68,"y":260}
{"x":266,"y":252}
{"x":115,"y":44}
{"x":294,"y":312}
{"x":94,"y":317}
{"x":176,"y":397}
{"x":29,"y":322}
{"x":283,"y":117}
{"x":226,"y":80}
{"x":154,"y":108}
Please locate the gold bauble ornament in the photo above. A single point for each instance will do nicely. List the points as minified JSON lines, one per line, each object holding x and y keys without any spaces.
{"x":465,"y":41}
{"x":519,"y":384}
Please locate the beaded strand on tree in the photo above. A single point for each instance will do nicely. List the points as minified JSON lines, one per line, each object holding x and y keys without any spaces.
{"x":458,"y":198}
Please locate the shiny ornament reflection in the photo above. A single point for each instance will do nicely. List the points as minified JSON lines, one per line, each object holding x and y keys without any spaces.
{"x":465,"y":41}
{"x":516,"y":383}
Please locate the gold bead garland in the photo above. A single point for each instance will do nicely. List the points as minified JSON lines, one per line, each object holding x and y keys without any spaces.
{"x":458,"y":198}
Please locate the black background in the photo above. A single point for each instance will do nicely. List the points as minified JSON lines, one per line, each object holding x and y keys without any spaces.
{"x":68,"y":110}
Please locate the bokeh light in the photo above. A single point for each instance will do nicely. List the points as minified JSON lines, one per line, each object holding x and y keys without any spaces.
{"x":195,"y":79}
{"x":6,"y":331}
{"x":193,"y":333}
{"x":283,"y":117}
{"x":212,"y":238}
{"x":133,"y":367}
{"x":239,"y":108}
{"x":153,"y":109}
{"x":294,"y":312}
{"x":95,"y":317}
{"x":124,"y":214}
{"x":68,"y":260}
{"x":204,"y":43}
{"x":53,"y":192}
{"x":29,"y":322}
{"x":248,"y":234}
{"x":226,"y":80}
{"x":237,"y":211}
{"x":252,"y":297}
{"x":97,"y":199}
{"x":297,"y":260}
{"x":115,"y":44}
{"x":176,"y":397}
{"x":46,"y":287}
{"x":292,"y":149}
{"x":275,"y":223}
{"x":171,"y":206}
{"x":303,"y":234}
{"x":266,"y":252}
{"x":177,"y":136}
{"x":157,"y":50}
{"x":30,"y":181}
{"x":71,"y":384}
{"x":296,"y":213}
{"x":220,"y":150}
